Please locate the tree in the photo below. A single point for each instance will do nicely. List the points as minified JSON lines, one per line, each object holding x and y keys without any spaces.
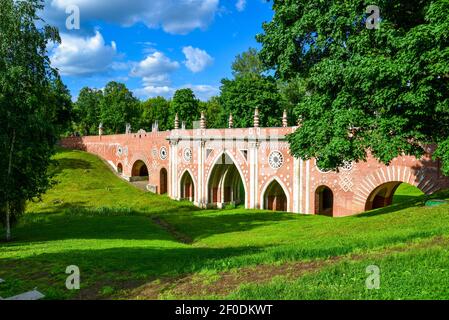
{"x":212,"y":109}
{"x":118,"y":107}
{"x":63,"y":106}
{"x":384,"y":90}
{"x":246,"y":93}
{"x":27,"y":105}
{"x":156,"y":109}
{"x":186,"y":105}
{"x":87,"y":111}
{"x":247,"y":63}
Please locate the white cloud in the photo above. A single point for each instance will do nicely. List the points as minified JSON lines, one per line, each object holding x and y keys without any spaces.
{"x":174,"y":16}
{"x":155,"y":66}
{"x":240,"y":5}
{"x":83,"y":56}
{"x":154,"y":91}
{"x":197,"y":59}
{"x":202,"y":92}
{"x":155,"y":71}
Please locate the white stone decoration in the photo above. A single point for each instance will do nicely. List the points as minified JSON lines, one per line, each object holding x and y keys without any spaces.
{"x":163,"y":153}
{"x":346,"y":183}
{"x":119,"y":150}
{"x":347,"y":166}
{"x":27,"y":296}
{"x":276,"y":159}
{"x":187,"y":154}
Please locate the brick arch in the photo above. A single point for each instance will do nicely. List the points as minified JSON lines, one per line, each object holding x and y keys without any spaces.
{"x":119,"y":167}
{"x":239,"y":170}
{"x":144,"y":164}
{"x":392,"y":176}
{"x":320,"y":198}
{"x":195,"y":185}
{"x":284,"y":188}
{"x":163,"y":180}
{"x":136,"y":157}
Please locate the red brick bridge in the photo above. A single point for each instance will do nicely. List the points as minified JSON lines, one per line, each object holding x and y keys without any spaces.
{"x":253,"y":167}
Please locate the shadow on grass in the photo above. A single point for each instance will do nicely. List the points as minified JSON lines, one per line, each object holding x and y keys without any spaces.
{"x":406,"y":202}
{"x":415,"y":202}
{"x":47,"y":270}
{"x":62,"y":164}
{"x":144,"y":264}
{"x":203,"y":225}
{"x":79,"y":222}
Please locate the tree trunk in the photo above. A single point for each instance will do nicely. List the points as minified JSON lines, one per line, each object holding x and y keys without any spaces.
{"x":8,"y":207}
{"x":8,"y":224}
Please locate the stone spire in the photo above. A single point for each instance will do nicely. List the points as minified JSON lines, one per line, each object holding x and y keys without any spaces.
{"x":231,"y":121}
{"x":203,"y":124}
{"x":100,"y":129}
{"x":256,"y":118}
{"x":176,"y":121}
{"x":284,"y":119}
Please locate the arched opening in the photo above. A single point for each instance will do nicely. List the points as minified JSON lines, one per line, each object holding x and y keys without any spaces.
{"x":324,"y":201}
{"x":390,"y":193}
{"x":187,"y":187}
{"x":225,"y":186}
{"x":406,"y":192}
{"x":163,"y":179}
{"x":275,"y":198}
{"x":139,"y":171}
{"x":120,"y":169}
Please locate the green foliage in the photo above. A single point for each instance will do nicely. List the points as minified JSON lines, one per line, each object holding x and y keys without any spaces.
{"x":33,"y":104}
{"x":118,"y":107}
{"x":212,"y":109}
{"x":385,"y":90}
{"x":186,"y":105}
{"x":156,"y":109}
{"x":247,"y":63}
{"x":87,"y":111}
{"x":63,"y":107}
{"x":244,"y":94}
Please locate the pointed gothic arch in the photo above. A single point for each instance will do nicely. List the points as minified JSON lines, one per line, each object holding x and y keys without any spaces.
{"x":225,"y":182}
{"x":275,"y":196}
{"x":187,"y":186}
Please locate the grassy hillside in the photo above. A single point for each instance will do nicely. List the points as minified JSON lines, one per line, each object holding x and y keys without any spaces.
{"x":130,"y":244}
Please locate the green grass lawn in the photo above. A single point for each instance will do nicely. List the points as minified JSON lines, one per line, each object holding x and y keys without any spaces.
{"x":131,"y":244}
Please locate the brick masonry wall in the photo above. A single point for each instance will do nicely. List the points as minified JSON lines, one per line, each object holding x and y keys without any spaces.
{"x":262,"y":159}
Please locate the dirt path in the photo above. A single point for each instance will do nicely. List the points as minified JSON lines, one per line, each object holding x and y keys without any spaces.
{"x":170,"y":229}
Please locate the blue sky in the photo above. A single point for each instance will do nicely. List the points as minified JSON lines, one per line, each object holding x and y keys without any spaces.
{"x":154,"y":46}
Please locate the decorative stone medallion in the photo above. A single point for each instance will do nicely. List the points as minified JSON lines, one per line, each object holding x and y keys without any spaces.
{"x":119,"y":150}
{"x":163,"y":153}
{"x":187,"y":154}
{"x":276,"y":160}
